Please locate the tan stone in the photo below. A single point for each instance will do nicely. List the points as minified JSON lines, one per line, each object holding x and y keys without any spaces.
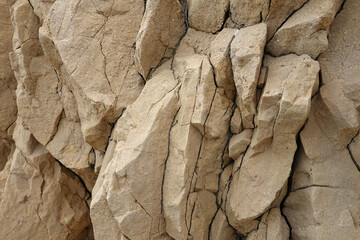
{"x":207,"y":16}
{"x":239,"y":142}
{"x":271,"y":227}
{"x":221,"y":62}
{"x":305,"y":32}
{"x":103,"y":90}
{"x":8,"y":108}
{"x":235,"y":124}
{"x":35,"y":185}
{"x":248,"y":12}
{"x":220,"y":228}
{"x":325,"y":184}
{"x":283,"y":109}
{"x":161,"y":28}
{"x":247,"y":50}
{"x":279,"y":11}
{"x":125,"y":200}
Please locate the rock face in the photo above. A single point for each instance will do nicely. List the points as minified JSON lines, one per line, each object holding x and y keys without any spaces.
{"x":189,"y":119}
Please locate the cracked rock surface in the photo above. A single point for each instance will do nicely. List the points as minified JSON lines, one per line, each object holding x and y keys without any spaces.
{"x":181,"y":119}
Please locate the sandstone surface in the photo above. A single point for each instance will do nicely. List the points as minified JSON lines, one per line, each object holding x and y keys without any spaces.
{"x":182,"y":119}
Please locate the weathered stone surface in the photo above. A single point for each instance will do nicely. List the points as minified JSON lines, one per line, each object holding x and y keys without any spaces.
{"x":161,"y":28}
{"x":8,"y":108}
{"x":325,"y":185}
{"x":167,"y":120}
{"x":305,"y":32}
{"x":87,"y":33}
{"x":125,"y":200}
{"x":271,"y":227}
{"x":238,"y":143}
{"x":37,"y":183}
{"x":220,"y":228}
{"x":283,"y":109}
{"x":248,"y":12}
{"x":247,"y":50}
{"x":207,"y":16}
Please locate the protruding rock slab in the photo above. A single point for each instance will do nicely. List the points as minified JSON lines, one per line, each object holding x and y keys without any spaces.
{"x":94,"y":41}
{"x":283,"y":109}
{"x":247,"y":50}
{"x":162,"y":26}
{"x":238,"y":143}
{"x":220,"y":228}
{"x":42,"y":200}
{"x":272,"y":226}
{"x":129,"y":195}
{"x":305,"y":32}
{"x":207,"y":16}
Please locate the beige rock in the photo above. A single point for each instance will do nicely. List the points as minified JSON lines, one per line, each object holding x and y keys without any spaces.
{"x":220,"y":228}
{"x":207,"y":16}
{"x":221,"y":62}
{"x":239,"y":142}
{"x":247,"y":50}
{"x":8,"y":108}
{"x":203,"y":211}
{"x":224,"y":181}
{"x":271,"y":227}
{"x":325,"y":183}
{"x":279,"y":11}
{"x":103,"y":90}
{"x":235,"y":124}
{"x":248,"y":12}
{"x":283,"y":109}
{"x":161,"y":28}
{"x":125,"y":200}
{"x":35,"y":185}
{"x":305,"y":32}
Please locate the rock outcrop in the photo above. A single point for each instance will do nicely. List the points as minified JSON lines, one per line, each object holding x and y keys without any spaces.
{"x":183,"y":119}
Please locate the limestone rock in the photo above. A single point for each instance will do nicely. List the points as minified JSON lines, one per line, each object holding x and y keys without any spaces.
{"x":221,"y":62}
{"x":238,"y":143}
{"x":271,"y":227}
{"x":248,"y":12}
{"x":235,"y":124}
{"x":220,"y":228}
{"x":305,"y":32}
{"x":207,"y":16}
{"x":8,"y":109}
{"x":103,"y":90}
{"x":153,"y":44}
{"x":325,"y":184}
{"x":125,"y":199}
{"x":283,"y":109}
{"x":247,"y":50}
{"x":37,"y":183}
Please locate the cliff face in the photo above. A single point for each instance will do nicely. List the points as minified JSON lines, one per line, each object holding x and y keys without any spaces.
{"x":166,"y":119}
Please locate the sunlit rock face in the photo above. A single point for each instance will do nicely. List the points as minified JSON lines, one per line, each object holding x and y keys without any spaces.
{"x":181,"y":119}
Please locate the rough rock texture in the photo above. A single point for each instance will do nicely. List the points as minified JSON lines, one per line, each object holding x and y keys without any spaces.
{"x":185,"y":120}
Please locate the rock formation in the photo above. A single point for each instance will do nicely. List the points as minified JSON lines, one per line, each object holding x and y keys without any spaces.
{"x":181,"y":119}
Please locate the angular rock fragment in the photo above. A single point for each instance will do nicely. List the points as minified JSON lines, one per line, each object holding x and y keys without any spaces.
{"x":271,"y":227}
{"x":94,"y":41}
{"x":305,"y":32}
{"x":220,"y":228}
{"x":283,"y":109}
{"x":207,"y":16}
{"x":8,"y":109}
{"x":124,"y":198}
{"x":35,"y":184}
{"x":248,"y":12}
{"x":238,"y":143}
{"x":325,"y":187}
{"x":247,"y":50}
{"x":161,"y":28}
{"x":221,"y":62}
{"x":235,"y":124}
